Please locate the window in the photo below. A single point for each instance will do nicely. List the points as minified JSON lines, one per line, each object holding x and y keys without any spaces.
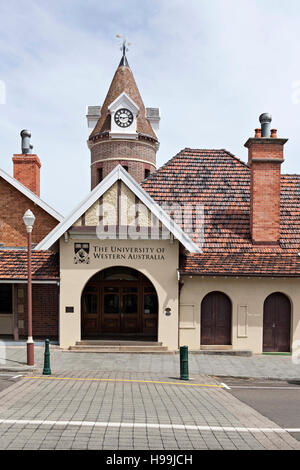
{"x":89,"y":303}
{"x":6,"y":298}
{"x":120,"y":274}
{"x":147,"y":173}
{"x":150,"y":301}
{"x":99,"y":175}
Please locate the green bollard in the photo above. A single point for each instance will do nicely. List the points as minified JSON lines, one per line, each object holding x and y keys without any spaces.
{"x":184,"y":363}
{"x":47,"y":370}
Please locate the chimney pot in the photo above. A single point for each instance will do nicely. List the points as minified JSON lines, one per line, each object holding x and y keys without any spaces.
{"x":257,"y":133}
{"x":25,"y":135}
{"x":265,"y":119}
{"x":274,"y":133}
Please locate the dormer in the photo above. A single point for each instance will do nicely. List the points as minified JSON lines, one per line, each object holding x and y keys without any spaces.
{"x":124,"y":112}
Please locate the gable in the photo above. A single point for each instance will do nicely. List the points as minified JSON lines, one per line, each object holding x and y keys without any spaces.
{"x":13,"y":205}
{"x":119,"y":208}
{"x":128,"y":211}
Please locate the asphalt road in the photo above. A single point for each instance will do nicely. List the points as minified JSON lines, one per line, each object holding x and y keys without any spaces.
{"x":7,"y":379}
{"x":277,"y":400}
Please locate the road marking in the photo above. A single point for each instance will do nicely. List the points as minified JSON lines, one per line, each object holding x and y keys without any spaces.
{"x":17,"y":376}
{"x":188,"y":427}
{"x":128,"y":380}
{"x":264,"y":388}
{"x":225,"y":386}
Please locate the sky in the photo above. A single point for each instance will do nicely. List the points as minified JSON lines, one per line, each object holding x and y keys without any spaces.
{"x":211,"y":66}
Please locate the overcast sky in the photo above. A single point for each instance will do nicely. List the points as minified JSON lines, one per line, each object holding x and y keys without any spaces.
{"x":212,"y":66}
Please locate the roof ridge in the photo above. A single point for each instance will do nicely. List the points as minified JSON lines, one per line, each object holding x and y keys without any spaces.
{"x":291,"y":174}
{"x":181,"y":152}
{"x":236,"y":158}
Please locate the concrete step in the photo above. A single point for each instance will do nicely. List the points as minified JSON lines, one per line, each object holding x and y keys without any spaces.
{"x":217,"y":347}
{"x":104,"y":342}
{"x":220,"y":352}
{"x":117,"y":348}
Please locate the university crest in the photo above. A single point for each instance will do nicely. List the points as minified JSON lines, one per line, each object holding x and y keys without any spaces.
{"x":81,"y":251}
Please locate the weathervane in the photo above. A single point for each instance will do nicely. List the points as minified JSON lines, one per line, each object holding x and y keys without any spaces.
{"x":124,"y":44}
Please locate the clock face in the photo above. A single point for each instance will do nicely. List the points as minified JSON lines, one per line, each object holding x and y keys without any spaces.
{"x":123,"y":117}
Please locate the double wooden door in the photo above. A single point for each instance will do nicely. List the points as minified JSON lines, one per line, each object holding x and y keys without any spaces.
{"x":216,"y":319}
{"x":277,"y":323}
{"x":119,"y":308}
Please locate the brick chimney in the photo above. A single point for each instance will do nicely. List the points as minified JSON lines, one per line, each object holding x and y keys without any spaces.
{"x":27,"y":165}
{"x":265,"y":156}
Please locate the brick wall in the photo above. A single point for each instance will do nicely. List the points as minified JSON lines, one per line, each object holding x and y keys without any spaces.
{"x":125,"y":153}
{"x":265,"y":202}
{"x":44,"y":310}
{"x":13,"y":205}
{"x":27,"y":171}
{"x":265,"y":158}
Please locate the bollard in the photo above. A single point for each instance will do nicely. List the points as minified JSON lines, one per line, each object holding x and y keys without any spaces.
{"x":47,"y":370}
{"x":184,"y":363}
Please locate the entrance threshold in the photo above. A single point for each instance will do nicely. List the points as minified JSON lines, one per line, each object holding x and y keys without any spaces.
{"x":119,"y":346}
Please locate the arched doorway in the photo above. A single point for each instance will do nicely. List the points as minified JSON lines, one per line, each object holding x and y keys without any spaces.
{"x":277,"y":323}
{"x":216,"y":319}
{"x":119,"y":302}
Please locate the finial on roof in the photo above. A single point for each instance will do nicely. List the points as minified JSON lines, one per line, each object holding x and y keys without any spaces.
{"x":124,"y":48}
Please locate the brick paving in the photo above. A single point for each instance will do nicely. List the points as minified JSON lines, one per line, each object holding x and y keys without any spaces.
{"x":154,"y":412}
{"x":258,"y":366}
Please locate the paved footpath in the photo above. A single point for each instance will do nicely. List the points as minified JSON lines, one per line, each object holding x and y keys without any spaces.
{"x":126,"y":410}
{"x":260,"y":366}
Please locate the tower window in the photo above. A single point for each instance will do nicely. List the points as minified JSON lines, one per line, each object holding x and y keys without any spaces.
{"x":147,"y":173}
{"x":99,"y":175}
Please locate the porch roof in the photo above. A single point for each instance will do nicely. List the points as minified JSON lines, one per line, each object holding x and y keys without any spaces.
{"x":13,"y":265}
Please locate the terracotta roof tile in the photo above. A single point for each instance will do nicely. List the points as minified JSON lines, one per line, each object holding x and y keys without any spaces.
{"x":13,"y":265}
{"x":220,"y":183}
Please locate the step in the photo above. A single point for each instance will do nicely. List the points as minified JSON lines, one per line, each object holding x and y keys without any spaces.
{"x":217,"y":347}
{"x":120,"y":348}
{"x":103,"y":342}
{"x":220,"y":352}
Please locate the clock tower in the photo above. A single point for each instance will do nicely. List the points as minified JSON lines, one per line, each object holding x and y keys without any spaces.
{"x":123,"y":131}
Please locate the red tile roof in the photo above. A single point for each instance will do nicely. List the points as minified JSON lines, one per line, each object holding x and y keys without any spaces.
{"x":220,"y":183}
{"x":13,"y":265}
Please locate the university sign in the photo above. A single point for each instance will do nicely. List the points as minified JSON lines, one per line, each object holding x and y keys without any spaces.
{"x":83,"y":253}
{"x":129,"y":253}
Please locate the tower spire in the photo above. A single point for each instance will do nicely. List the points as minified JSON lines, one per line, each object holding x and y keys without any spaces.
{"x":124,"y":49}
{"x":124,"y":61}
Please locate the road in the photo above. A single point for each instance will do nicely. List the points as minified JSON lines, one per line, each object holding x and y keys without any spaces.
{"x":277,"y":400}
{"x":126,"y":410}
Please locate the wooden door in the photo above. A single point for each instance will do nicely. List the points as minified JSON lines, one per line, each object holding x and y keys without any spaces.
{"x":90,"y":309}
{"x":130,"y":310}
{"x":216,"y":319}
{"x":277,"y":323}
{"x":116,"y":307}
{"x":110,"y":311}
{"x":149,"y":310}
